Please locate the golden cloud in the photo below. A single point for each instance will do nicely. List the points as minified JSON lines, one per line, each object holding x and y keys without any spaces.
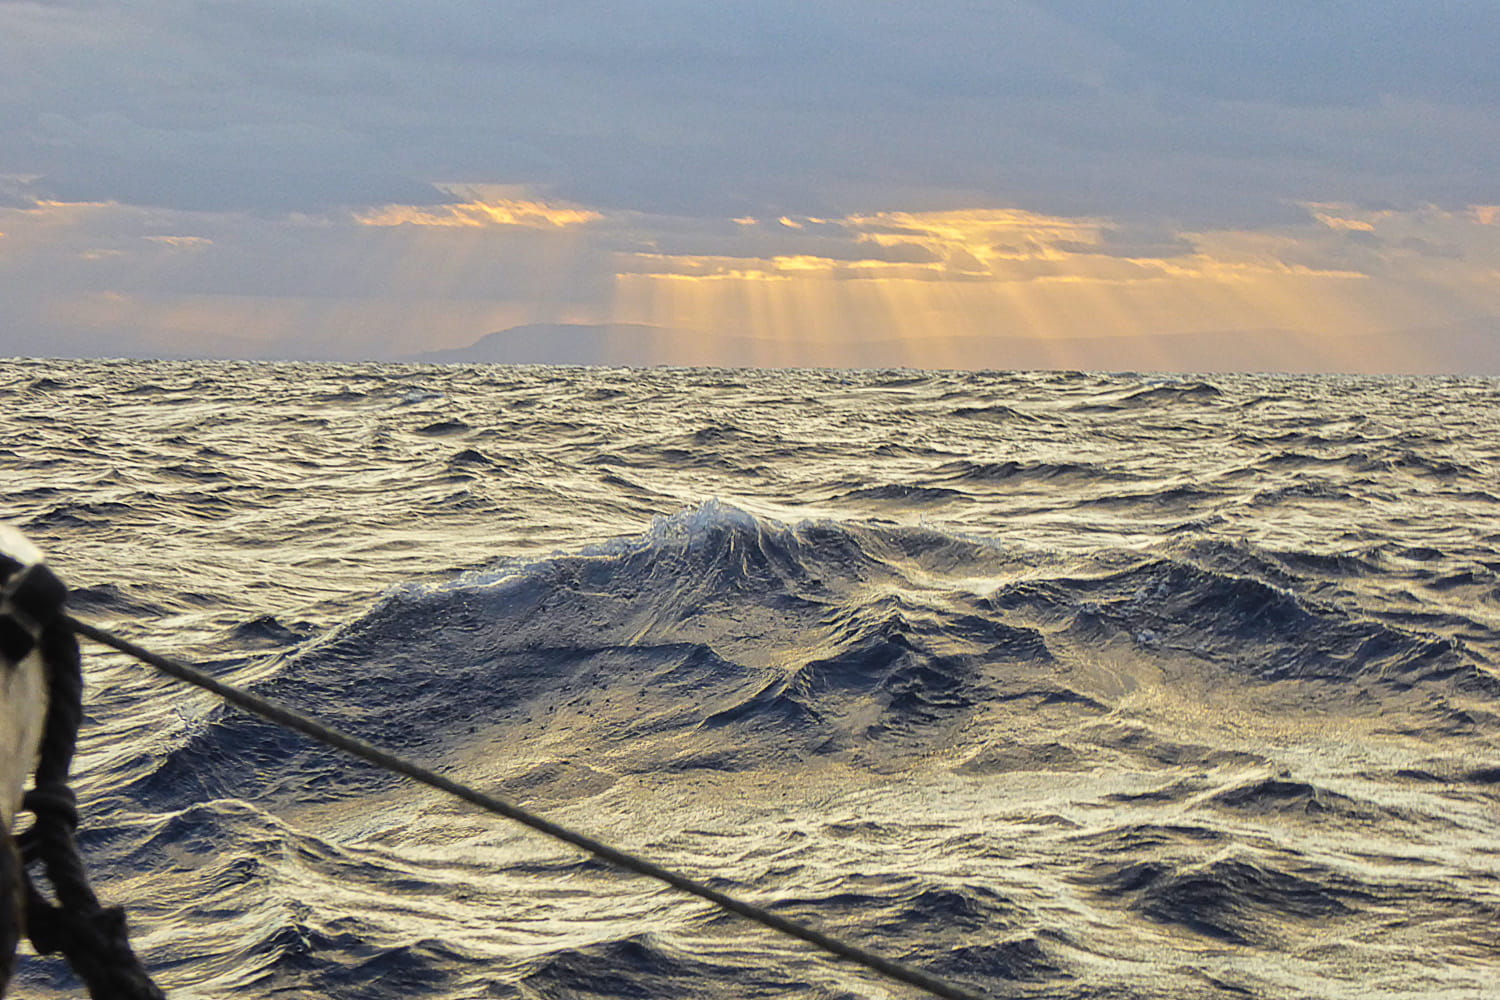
{"x":773,"y":268}
{"x":45,"y":206}
{"x":1342,"y":217}
{"x":978,"y":245}
{"x":985,"y":233}
{"x":482,"y":212}
{"x":985,"y":274}
{"x":181,"y":242}
{"x":796,"y":289}
{"x":50,"y":223}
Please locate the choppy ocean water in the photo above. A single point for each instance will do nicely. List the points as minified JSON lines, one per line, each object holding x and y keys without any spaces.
{"x":1060,"y":685}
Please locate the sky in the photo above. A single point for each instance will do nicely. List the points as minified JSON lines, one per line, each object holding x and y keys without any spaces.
{"x":1170,"y":185}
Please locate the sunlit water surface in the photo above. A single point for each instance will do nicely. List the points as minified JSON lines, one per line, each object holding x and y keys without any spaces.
{"x":1059,"y":685}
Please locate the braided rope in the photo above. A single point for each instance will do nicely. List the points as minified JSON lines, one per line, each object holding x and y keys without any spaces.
{"x":92,"y":938}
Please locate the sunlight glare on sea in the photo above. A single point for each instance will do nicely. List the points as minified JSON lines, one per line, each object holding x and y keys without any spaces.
{"x":1056,"y":684}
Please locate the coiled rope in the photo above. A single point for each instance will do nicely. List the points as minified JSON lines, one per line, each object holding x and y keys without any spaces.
{"x":92,"y":938}
{"x":313,"y":729}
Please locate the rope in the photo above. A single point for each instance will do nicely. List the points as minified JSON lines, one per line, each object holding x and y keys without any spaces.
{"x":93,"y":939}
{"x":284,"y":716}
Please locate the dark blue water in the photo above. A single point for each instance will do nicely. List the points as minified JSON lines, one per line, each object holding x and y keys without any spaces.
{"x":1060,"y":685}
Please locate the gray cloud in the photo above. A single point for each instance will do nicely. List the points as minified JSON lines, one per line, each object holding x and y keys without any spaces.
{"x":1309,"y":53}
{"x":1197,"y":111}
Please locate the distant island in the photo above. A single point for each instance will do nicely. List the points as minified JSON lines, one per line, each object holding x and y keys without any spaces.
{"x":553,"y":344}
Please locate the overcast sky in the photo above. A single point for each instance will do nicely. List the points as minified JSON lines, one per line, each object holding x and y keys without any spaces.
{"x":822,"y":179}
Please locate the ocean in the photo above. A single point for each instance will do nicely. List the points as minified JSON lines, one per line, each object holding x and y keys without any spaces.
{"x":1054,"y":684}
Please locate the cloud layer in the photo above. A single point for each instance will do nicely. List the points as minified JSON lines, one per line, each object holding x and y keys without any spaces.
{"x":922,"y":288}
{"x":1210,"y":111}
{"x":259,"y":176}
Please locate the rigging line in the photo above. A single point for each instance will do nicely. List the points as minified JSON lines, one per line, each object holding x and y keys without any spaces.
{"x":284,"y":716}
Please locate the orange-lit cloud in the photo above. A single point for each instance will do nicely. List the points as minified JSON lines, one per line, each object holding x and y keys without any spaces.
{"x":487,"y":205}
{"x":997,"y":233}
{"x":991,"y":246}
{"x":118,"y":278}
{"x":1339,"y":217}
{"x":181,"y":242}
{"x":43,"y":224}
{"x":1349,"y":289}
{"x":989,"y":277}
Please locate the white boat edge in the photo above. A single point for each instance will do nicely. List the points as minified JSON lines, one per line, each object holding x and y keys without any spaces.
{"x":23,"y":698}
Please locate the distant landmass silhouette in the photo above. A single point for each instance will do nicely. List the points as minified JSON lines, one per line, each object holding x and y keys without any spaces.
{"x":552,"y":344}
